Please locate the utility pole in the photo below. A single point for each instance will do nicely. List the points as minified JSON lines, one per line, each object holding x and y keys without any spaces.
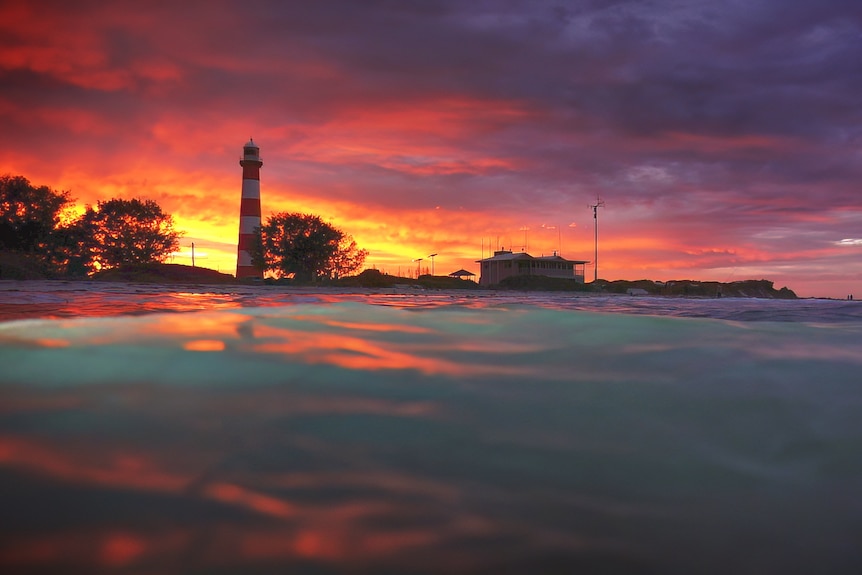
{"x":193,"y":254}
{"x":559,"y":242}
{"x":599,"y":204}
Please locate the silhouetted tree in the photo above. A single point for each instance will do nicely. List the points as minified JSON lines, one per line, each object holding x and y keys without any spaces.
{"x":119,"y":231}
{"x":70,"y":250}
{"x":29,"y":217}
{"x":306,"y":248}
{"x":348,"y":259}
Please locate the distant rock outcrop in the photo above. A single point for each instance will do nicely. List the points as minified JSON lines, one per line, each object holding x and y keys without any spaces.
{"x":681,"y":288}
{"x":690,"y":288}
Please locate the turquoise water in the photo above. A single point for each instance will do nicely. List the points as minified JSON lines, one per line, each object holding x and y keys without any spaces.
{"x":256,"y":430}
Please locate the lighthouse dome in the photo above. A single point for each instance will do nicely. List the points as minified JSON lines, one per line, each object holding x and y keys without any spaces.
{"x":251,"y":153}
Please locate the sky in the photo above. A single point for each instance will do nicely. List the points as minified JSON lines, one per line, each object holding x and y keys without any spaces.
{"x":724,"y":138}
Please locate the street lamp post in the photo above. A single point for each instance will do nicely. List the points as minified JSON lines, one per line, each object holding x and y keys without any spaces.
{"x":432,"y":263}
{"x":418,"y":266}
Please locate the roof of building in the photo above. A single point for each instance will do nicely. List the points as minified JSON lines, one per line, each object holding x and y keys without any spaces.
{"x":461,"y":273}
{"x":507,"y":255}
{"x":503,"y":255}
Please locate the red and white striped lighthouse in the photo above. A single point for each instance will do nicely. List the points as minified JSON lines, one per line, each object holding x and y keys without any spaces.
{"x":249,"y":210}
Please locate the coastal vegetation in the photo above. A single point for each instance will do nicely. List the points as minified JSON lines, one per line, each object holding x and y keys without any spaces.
{"x":305,"y":248}
{"x":118,"y":232}
{"x":33,"y":225}
{"x":41,"y":236}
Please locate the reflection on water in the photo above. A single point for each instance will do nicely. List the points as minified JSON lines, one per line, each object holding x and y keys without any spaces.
{"x":375,"y":433}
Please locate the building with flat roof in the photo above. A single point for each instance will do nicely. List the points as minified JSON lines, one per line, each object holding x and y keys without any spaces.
{"x":504,"y":263}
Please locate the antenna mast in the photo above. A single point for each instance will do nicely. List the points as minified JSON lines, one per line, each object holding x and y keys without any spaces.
{"x":600,"y":203}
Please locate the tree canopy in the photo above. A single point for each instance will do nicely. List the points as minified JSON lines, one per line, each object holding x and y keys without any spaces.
{"x":29,"y":215}
{"x":306,"y":248}
{"x":121,"y":231}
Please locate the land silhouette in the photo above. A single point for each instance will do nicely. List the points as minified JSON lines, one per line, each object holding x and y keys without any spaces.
{"x":15,"y":267}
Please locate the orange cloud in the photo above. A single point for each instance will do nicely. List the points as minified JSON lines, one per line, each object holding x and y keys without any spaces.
{"x":416,"y":137}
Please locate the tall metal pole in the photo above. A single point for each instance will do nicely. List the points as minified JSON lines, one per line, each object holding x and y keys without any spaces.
{"x":599,"y":203}
{"x":559,"y":242}
{"x":432,"y":263}
{"x":193,"y":254}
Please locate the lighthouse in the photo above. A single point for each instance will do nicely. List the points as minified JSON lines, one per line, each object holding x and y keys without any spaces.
{"x":249,"y":210}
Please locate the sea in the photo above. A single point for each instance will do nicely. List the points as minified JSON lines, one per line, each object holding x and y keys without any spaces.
{"x":264,"y":429}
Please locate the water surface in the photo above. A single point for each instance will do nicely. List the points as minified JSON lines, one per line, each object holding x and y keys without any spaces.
{"x":262,"y":430}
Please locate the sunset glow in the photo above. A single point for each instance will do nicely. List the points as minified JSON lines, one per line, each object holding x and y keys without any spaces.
{"x":725,"y":142}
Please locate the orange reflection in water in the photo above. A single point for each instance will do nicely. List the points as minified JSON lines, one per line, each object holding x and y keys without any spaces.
{"x":202,"y":331}
{"x":378,"y":327}
{"x":86,"y":548}
{"x":346,"y":344}
{"x":52,"y":342}
{"x":204,"y":345}
{"x":248,"y":499}
{"x":119,"y":468}
{"x":354,"y":352}
{"x":197,"y":326}
{"x":367,"y":528}
{"x":333,"y":543}
{"x":217,"y":547}
{"x":120,"y":549}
